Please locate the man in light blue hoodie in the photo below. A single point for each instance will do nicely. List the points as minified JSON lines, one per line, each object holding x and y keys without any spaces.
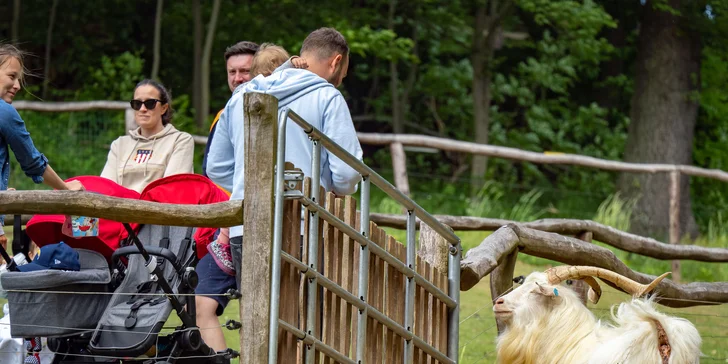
{"x":312,"y":94}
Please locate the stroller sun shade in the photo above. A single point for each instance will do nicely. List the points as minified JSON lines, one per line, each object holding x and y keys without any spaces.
{"x":46,"y":229}
{"x":190,"y":189}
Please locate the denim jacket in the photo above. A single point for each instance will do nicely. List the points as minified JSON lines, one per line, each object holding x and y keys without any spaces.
{"x":13,"y":134}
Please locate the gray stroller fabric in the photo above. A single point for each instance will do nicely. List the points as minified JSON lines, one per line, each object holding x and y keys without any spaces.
{"x":131,"y":323}
{"x":49,"y":310}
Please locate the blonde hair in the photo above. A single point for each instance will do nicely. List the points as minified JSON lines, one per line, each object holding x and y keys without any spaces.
{"x":267,"y":59}
{"x":9,"y":51}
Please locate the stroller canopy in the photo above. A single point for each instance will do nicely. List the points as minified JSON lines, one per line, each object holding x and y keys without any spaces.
{"x":192,"y":189}
{"x":46,"y":229}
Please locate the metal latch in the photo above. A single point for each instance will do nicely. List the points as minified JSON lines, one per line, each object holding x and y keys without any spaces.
{"x":292,"y":178}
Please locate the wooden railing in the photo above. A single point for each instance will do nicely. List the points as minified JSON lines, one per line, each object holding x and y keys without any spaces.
{"x":496,"y":255}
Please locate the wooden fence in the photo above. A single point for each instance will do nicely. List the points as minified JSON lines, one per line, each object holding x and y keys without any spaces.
{"x":359,"y":296}
{"x":339,"y":261}
{"x":396,"y":142}
{"x":336,"y":317}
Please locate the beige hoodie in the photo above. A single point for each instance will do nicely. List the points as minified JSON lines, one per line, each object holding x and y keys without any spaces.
{"x":135,"y":161}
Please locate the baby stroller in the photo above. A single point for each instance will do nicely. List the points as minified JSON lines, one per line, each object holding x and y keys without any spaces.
{"x":136,"y":274}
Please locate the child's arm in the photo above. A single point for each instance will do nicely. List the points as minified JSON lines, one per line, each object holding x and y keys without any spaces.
{"x":293,"y":62}
{"x":299,"y":62}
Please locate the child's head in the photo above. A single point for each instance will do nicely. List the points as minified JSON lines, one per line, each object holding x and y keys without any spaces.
{"x":268,"y":57}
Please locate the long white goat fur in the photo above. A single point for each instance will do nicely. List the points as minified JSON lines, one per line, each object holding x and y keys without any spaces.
{"x":562,"y":330}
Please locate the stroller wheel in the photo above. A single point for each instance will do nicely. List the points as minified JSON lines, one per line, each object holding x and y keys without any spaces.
{"x":192,"y":340}
{"x":57,"y":345}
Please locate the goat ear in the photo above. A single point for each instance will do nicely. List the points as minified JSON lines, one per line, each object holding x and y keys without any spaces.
{"x":548,"y":291}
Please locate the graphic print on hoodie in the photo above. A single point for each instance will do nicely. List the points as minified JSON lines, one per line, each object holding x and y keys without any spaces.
{"x":135,"y":161}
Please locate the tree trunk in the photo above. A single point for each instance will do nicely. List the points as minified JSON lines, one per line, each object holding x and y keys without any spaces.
{"x":486,"y":31}
{"x":157,"y":36}
{"x":15,"y":22}
{"x":481,"y":100}
{"x":197,"y":63}
{"x":397,"y":110}
{"x":206,"y":53}
{"x":663,"y":113}
{"x":49,"y":38}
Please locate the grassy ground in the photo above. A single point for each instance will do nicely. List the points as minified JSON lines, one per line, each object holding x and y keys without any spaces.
{"x":477,"y":327}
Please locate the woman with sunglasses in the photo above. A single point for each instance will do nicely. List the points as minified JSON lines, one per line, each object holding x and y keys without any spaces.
{"x":153,"y":150}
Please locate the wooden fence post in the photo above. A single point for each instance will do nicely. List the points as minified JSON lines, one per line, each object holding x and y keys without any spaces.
{"x":129,"y":122}
{"x":399,"y":164}
{"x":434,"y":249}
{"x":261,"y":135}
{"x":675,"y":220}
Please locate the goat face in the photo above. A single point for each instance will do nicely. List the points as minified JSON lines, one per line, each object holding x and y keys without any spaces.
{"x":533,"y":300}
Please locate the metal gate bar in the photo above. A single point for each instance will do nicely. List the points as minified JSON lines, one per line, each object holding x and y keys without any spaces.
{"x":316,"y":279}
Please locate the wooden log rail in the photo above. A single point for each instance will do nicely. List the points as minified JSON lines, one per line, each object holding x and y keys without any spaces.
{"x":606,"y":234}
{"x":70,"y":106}
{"x":46,"y":106}
{"x":450,"y":145}
{"x":219,"y":214}
{"x":502,"y":246}
{"x":535,"y":157}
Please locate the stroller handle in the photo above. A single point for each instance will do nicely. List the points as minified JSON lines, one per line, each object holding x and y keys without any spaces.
{"x":152,"y":250}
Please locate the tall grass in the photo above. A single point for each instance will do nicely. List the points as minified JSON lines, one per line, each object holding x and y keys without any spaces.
{"x":616,"y":212}
{"x":490,"y":202}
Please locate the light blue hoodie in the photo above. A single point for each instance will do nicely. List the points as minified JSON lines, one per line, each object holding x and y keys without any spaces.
{"x":311,"y":97}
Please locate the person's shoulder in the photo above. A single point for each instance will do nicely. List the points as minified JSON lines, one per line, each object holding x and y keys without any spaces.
{"x":184,"y":136}
{"x":123,"y":138}
{"x":216,"y":119}
{"x":333,"y":97}
{"x":7,"y":109}
{"x":118,"y":142}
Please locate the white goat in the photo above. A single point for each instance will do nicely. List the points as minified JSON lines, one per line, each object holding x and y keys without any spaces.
{"x":547,"y":323}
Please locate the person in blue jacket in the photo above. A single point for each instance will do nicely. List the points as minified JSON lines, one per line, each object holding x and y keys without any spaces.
{"x":14,"y":135}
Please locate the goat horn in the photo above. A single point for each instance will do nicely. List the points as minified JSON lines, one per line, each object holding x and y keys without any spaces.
{"x":595,"y":291}
{"x":557,"y":275}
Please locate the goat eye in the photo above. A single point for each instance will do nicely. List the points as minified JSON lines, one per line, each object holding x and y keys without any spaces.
{"x":519,"y":280}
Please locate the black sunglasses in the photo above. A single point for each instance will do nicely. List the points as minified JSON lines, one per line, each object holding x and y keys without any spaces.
{"x":149,"y":104}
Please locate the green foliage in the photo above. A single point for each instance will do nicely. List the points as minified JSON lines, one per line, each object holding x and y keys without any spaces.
{"x":616,"y":212}
{"x":540,"y":111}
{"x":125,"y":70}
{"x":383,"y":44}
{"x":76,"y":143}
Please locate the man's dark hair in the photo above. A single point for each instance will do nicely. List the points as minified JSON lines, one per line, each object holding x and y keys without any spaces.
{"x":325,"y":43}
{"x":241,"y":48}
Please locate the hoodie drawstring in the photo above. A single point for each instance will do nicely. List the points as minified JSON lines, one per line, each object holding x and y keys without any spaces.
{"x":151,"y":153}
{"x":121,"y":178}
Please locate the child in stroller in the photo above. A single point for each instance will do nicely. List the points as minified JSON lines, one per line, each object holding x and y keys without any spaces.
{"x":131,"y":277}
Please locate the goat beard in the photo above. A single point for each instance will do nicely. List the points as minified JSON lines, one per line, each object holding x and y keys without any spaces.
{"x":555,"y":338}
